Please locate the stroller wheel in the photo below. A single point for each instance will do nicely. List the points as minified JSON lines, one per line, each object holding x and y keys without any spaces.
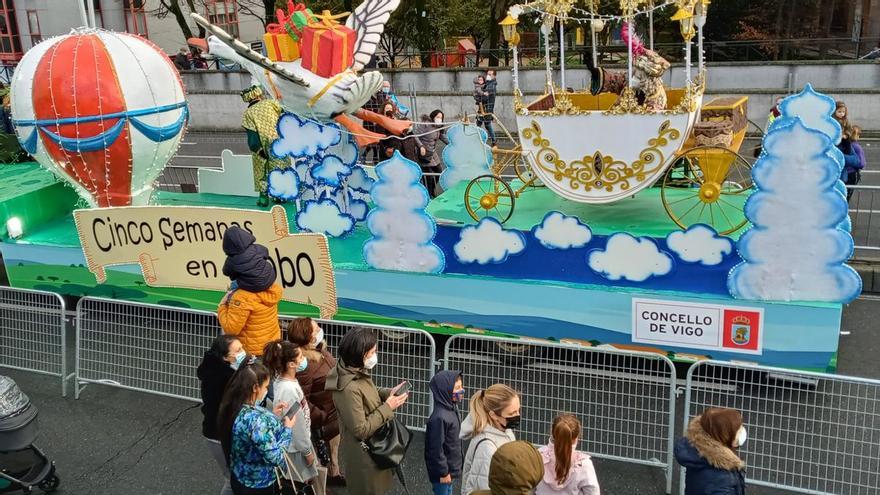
{"x":50,"y":484}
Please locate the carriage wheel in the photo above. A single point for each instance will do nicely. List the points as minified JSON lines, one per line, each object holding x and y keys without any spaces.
{"x":718,"y":181}
{"x":489,"y":196}
{"x":524,"y":172}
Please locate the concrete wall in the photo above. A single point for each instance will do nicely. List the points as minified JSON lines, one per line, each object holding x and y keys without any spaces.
{"x":216,"y":105}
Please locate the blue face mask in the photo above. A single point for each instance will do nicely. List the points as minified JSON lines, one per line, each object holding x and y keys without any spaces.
{"x":239,"y":358}
{"x":302,"y":366}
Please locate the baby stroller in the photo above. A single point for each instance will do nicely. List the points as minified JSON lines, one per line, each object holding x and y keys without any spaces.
{"x":22,"y":465}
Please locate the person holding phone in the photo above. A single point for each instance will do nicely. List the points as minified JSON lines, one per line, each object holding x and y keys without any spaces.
{"x":284,"y":359}
{"x":363,"y":409}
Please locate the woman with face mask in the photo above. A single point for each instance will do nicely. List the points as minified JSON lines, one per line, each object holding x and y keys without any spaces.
{"x":363,"y":409}
{"x":708,"y":452}
{"x":254,"y":439}
{"x":284,"y":360}
{"x":494,"y":414}
{"x":217,"y":367}
{"x":309,"y":336}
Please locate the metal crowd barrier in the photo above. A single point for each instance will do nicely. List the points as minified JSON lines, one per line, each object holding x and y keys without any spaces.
{"x":864,"y":205}
{"x":142,"y":347}
{"x":807,"y":432}
{"x":32,"y":333}
{"x":626,"y":400}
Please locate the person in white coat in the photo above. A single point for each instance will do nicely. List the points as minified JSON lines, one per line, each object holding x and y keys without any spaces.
{"x":567,"y":471}
{"x":285,"y":359}
{"x":493,"y":414}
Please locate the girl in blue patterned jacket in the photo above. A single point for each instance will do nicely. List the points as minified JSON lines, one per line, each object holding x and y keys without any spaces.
{"x":254,"y":439}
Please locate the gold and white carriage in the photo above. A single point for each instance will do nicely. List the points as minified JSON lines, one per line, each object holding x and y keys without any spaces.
{"x":605,"y":147}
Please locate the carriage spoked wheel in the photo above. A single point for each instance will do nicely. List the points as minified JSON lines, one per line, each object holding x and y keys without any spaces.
{"x":712,"y":189}
{"x":489,"y":196}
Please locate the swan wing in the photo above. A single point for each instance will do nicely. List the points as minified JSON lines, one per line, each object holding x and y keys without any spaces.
{"x":368,"y":21}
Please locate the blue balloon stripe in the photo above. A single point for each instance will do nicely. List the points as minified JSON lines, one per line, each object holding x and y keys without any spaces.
{"x":110,"y":116}
{"x":79,"y":145}
{"x":159,"y":134}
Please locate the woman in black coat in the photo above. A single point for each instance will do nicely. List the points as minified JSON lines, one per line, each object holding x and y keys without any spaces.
{"x":708,"y":453}
{"x":218,"y":366}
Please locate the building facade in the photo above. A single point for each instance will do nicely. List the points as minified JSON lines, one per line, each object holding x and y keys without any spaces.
{"x":24,"y":23}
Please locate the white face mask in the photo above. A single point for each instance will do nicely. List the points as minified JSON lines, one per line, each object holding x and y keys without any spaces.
{"x":741,"y":436}
{"x":372,"y":361}
{"x":438,"y":120}
{"x":319,"y":337}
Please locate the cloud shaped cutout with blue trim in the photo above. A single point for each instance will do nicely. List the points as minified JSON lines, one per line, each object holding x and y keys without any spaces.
{"x":403,"y":232}
{"x":467,"y":156}
{"x":796,"y":250}
{"x":283,"y":184}
{"x":699,"y":244}
{"x":345,"y":150}
{"x":324,"y":217}
{"x":299,"y":137}
{"x":330,"y":171}
{"x":360,"y":181}
{"x":488,"y":242}
{"x":629,"y":258}
{"x":560,"y":231}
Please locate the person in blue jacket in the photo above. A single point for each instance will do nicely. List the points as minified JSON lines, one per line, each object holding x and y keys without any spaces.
{"x":708,"y":452}
{"x":443,"y":452}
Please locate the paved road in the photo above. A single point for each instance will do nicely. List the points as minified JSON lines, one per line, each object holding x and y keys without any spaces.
{"x":114,"y":441}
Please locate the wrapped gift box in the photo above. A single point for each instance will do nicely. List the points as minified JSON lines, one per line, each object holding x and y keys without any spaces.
{"x":296,"y":19}
{"x":280,"y":47}
{"x":327,"y":47}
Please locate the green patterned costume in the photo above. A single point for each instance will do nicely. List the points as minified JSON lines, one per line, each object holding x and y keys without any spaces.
{"x":261,"y":119}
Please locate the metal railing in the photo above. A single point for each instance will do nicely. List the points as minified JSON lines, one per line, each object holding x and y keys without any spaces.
{"x":626,"y":399}
{"x":864,"y":204}
{"x":32,"y":333}
{"x":142,"y":347}
{"x":807,"y":432}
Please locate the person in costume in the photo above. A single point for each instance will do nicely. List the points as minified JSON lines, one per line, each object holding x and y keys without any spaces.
{"x":648,"y":70}
{"x":261,"y":123}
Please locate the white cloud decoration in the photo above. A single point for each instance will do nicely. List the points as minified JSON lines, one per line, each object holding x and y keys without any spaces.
{"x":330,"y":171}
{"x":796,"y":250}
{"x":467,"y":156}
{"x":324,"y":216}
{"x":488,"y":242}
{"x":403,"y":232}
{"x":299,"y":137}
{"x":360,"y":181}
{"x":559,"y":231}
{"x":628,"y":258}
{"x":283,"y":184}
{"x":699,"y":244}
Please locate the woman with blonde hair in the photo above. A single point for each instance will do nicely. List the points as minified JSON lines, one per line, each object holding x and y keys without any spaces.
{"x":567,"y":471}
{"x":708,"y":452}
{"x":494,"y":413}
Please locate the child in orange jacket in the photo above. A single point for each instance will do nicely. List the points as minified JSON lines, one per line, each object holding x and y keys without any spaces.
{"x":250,"y":309}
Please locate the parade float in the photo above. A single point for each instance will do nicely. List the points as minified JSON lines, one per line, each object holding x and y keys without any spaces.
{"x":632,"y":221}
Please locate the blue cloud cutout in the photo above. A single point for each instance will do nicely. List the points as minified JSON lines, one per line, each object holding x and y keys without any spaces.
{"x":300,"y":138}
{"x":283,"y":184}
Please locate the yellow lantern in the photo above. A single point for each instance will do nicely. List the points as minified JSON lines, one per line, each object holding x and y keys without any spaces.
{"x":686,"y":23}
{"x":508,"y":30}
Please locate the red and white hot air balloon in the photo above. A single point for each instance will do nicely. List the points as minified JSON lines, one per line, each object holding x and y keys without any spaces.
{"x":103,"y":111}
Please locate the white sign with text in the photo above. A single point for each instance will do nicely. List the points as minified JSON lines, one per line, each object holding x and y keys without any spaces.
{"x":697,"y":325}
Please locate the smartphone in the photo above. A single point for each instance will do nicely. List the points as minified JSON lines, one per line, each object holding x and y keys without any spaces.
{"x":404,"y":389}
{"x":294,"y":408}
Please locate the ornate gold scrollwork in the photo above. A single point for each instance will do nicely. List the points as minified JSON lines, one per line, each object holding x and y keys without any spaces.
{"x":600,"y":171}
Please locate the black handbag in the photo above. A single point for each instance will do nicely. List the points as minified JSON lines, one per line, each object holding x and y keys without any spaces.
{"x":388,"y":445}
